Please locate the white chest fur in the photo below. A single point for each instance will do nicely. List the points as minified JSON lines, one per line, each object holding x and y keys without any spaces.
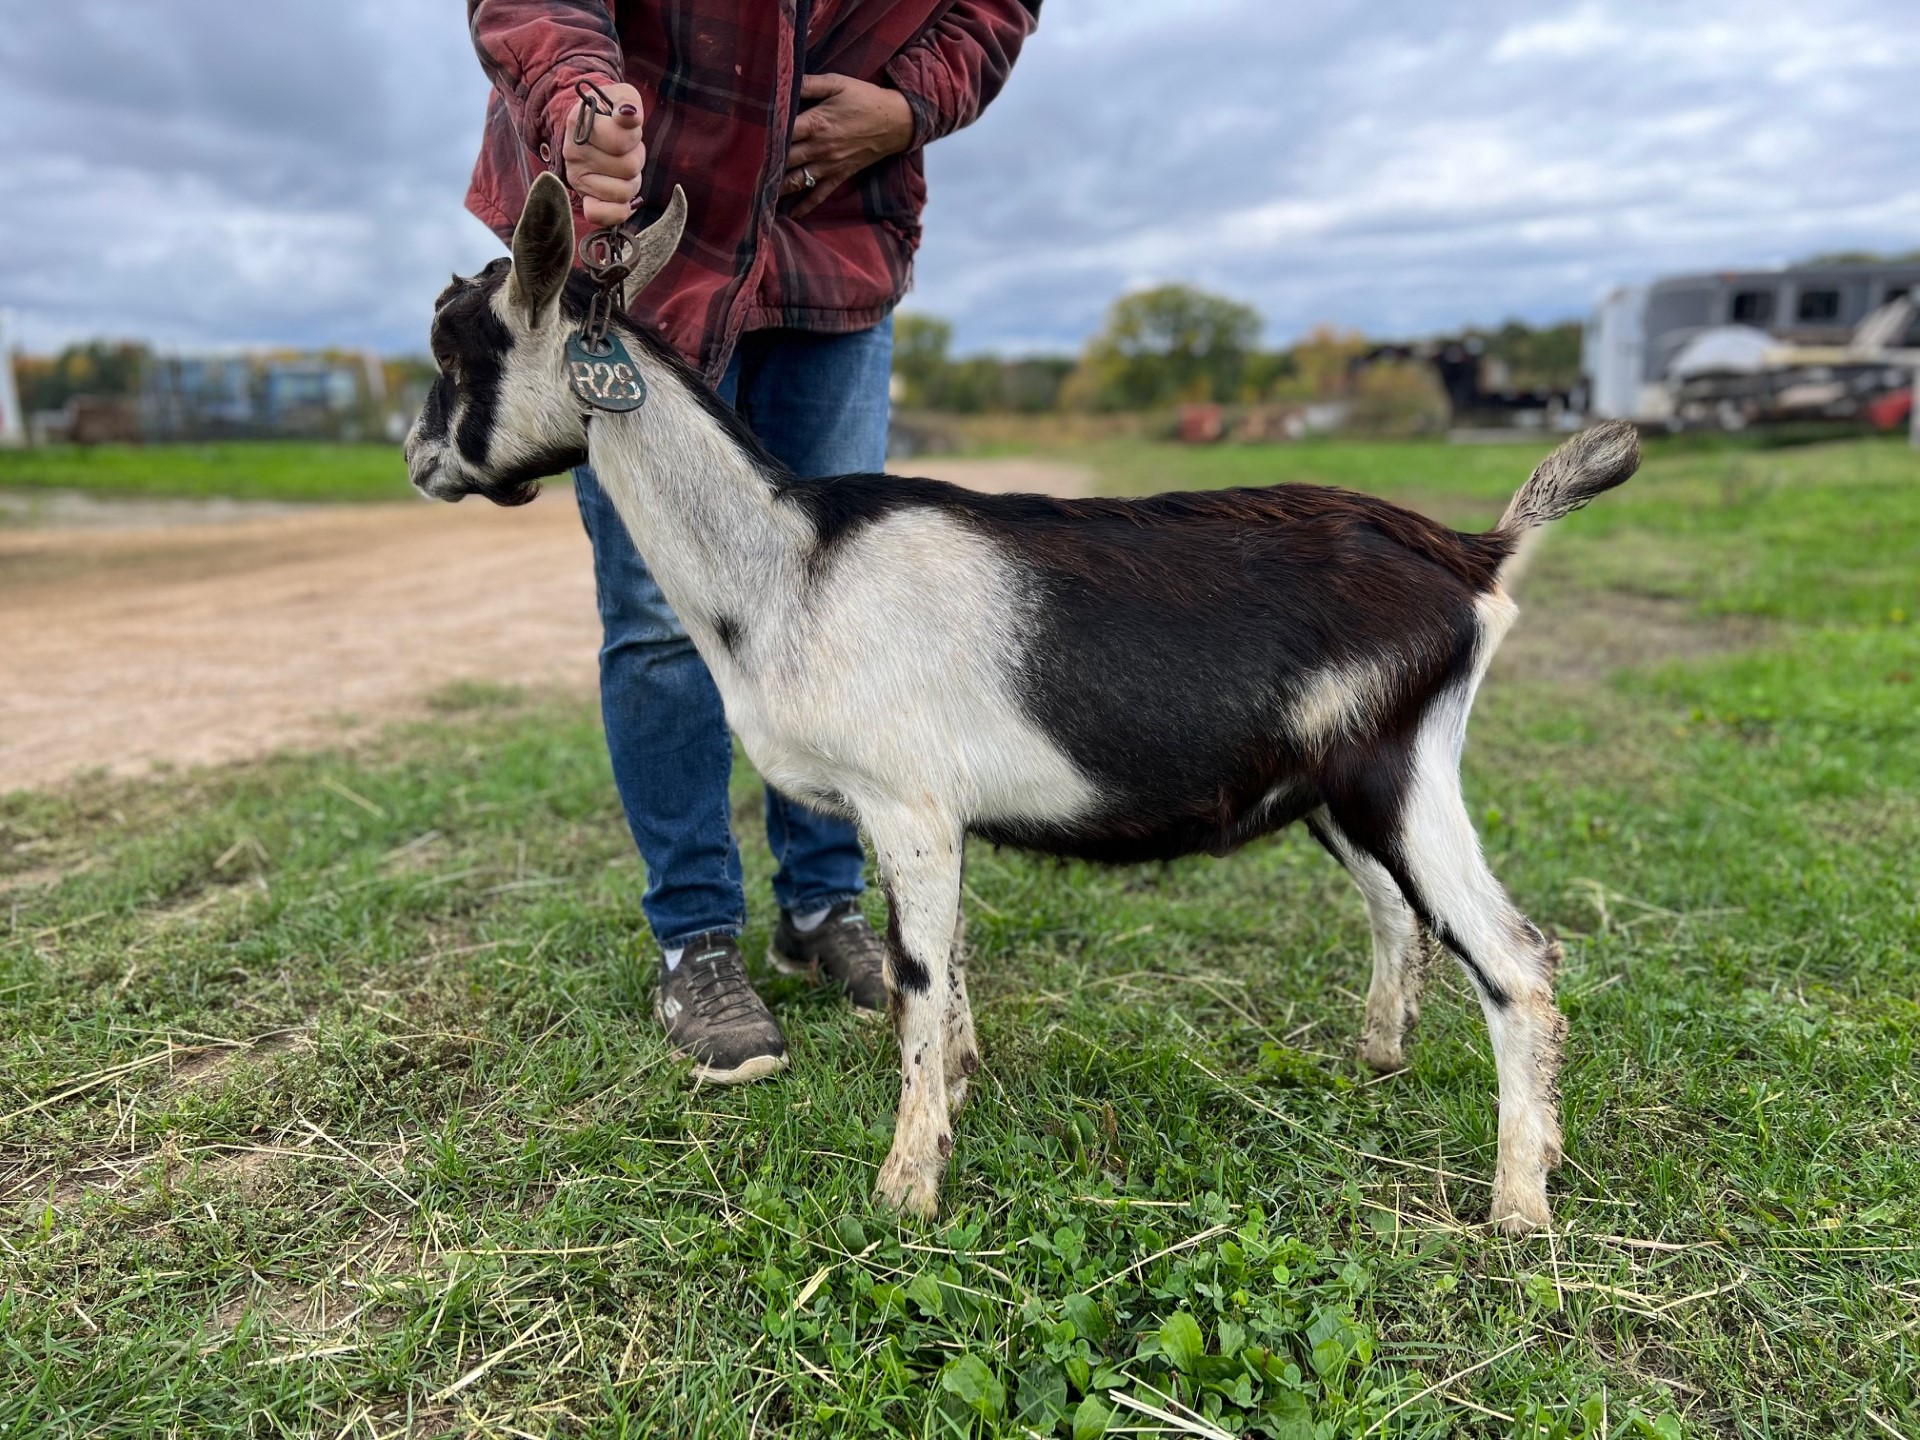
{"x":829,"y":700}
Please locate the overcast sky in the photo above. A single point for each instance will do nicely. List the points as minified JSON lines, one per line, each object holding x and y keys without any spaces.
{"x":219,"y":171}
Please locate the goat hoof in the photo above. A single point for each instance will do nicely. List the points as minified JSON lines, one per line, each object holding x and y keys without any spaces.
{"x":1381,"y":1055}
{"x":1520,"y":1209}
{"x":909,"y":1187}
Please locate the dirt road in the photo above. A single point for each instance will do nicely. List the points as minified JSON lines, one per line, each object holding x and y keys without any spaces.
{"x":196,"y":633}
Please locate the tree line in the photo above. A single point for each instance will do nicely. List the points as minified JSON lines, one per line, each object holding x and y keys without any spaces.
{"x":1161,"y":347}
{"x":105,"y":368}
{"x":1175,"y":344}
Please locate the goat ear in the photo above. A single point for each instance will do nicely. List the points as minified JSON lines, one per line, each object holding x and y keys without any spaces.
{"x":654,"y":246}
{"x":542,"y":247}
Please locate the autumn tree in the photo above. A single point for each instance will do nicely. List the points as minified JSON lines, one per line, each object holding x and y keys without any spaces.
{"x":1164,"y":345}
{"x":95,"y":367}
{"x":1323,"y":364}
{"x":920,"y":344}
{"x":932,"y":379}
{"x":1545,"y":357}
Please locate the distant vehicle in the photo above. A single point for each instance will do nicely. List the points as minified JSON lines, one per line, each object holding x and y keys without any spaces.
{"x":1739,"y":347}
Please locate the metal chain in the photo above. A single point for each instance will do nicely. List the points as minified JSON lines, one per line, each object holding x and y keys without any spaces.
{"x":606,"y":254}
{"x":594,"y":103}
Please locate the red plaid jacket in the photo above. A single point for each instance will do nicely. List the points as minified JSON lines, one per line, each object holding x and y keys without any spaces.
{"x":721,"y":83}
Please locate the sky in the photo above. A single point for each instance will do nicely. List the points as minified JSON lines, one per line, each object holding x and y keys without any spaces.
{"x":214,"y":172}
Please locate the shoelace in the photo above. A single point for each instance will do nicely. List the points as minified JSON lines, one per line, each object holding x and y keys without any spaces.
{"x":717,"y":986}
{"x":864,"y":945}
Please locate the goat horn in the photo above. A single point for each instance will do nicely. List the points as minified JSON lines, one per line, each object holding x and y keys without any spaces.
{"x":654,"y":246}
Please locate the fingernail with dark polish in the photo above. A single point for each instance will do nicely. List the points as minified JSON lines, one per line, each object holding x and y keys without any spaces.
{"x":629,"y":110}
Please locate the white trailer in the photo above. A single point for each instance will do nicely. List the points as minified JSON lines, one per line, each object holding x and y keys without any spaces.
{"x":1637,"y":332}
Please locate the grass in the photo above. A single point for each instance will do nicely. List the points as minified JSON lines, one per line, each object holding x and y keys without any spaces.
{"x":330,"y":1102}
{"x":245,"y":469}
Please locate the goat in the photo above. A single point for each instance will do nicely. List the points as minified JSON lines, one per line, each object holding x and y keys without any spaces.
{"x":1119,"y":680}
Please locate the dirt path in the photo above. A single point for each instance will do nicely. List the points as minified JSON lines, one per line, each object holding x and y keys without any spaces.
{"x":196,"y":633}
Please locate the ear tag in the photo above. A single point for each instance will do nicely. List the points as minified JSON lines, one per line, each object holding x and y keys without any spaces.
{"x":604,"y":376}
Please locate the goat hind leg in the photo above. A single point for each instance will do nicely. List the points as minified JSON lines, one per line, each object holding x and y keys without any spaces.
{"x":1399,"y":951}
{"x":1428,"y":844}
{"x":1512,"y":966}
{"x":920,"y":866}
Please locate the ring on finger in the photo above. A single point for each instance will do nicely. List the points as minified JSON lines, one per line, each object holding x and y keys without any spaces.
{"x":807,"y":177}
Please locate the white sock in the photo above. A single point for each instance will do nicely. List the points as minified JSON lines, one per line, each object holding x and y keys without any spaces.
{"x":812,"y":920}
{"x":672,"y":957}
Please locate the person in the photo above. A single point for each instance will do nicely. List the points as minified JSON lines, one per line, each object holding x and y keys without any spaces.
{"x":797,"y":132}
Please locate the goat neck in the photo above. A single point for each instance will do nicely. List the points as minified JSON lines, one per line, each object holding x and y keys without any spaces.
{"x":701,"y":506}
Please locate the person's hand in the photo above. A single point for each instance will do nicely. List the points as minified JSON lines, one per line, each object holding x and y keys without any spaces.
{"x":847,"y":126}
{"x":605,"y":171}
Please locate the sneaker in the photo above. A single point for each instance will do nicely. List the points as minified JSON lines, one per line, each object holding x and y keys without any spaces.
{"x":712,"y":1014}
{"x":841,"y":948}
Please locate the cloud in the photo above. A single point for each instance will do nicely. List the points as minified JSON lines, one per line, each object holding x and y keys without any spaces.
{"x":204,"y":172}
{"x":1412,"y":166}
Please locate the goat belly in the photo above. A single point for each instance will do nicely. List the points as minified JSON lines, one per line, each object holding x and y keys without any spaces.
{"x":1128,"y":832}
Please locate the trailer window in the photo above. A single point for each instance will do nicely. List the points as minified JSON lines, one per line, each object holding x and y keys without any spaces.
{"x":1752,"y":307}
{"x":1819,"y":305}
{"x":1678,"y":309}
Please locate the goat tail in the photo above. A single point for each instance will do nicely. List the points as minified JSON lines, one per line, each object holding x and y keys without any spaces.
{"x":1591,"y":463}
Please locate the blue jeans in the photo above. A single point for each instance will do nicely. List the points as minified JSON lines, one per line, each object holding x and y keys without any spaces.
{"x":819,"y":403}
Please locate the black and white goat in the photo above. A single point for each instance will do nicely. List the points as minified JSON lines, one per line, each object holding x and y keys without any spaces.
{"x":1116,"y":679}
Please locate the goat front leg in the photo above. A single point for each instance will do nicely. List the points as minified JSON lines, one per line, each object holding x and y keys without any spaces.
{"x":962,"y":1050}
{"x":919,"y":857}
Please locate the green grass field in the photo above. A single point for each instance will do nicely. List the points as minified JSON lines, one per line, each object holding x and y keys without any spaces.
{"x":244,"y":469}
{"x":331,"y":1104}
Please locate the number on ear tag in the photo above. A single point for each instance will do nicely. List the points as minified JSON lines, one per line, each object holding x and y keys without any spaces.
{"x":607,"y":381}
